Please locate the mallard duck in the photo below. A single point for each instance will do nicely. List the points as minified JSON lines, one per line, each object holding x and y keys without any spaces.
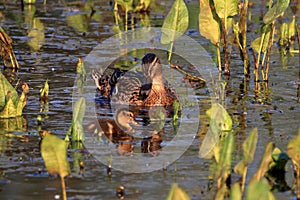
{"x":146,"y":88}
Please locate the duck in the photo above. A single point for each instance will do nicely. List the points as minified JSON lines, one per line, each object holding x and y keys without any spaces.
{"x":146,"y":88}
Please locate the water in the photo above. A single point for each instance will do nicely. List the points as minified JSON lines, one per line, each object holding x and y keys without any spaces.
{"x":48,"y":42}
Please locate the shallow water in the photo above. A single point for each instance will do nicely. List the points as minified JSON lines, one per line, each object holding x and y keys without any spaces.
{"x":54,"y":54}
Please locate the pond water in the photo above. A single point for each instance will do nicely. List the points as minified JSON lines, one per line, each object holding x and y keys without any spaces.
{"x":49,"y":40}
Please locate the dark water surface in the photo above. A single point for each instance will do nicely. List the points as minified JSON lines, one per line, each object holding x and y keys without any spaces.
{"x":49,"y":40}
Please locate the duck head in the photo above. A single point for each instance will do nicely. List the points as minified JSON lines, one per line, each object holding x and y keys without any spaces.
{"x":152,"y":69}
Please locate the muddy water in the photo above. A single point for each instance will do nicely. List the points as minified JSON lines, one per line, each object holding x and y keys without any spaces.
{"x":48,"y":42}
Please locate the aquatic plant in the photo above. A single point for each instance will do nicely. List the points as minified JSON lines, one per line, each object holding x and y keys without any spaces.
{"x":175,"y":24}
{"x":6,"y":49}
{"x":11,"y":105}
{"x":54,"y":153}
{"x":76,"y":130}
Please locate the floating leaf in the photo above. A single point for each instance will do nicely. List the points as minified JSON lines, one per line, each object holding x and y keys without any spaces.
{"x":259,"y":190}
{"x":176,"y":193}
{"x":176,"y":22}
{"x":274,"y":12}
{"x":208,"y":26}
{"x":54,"y":153}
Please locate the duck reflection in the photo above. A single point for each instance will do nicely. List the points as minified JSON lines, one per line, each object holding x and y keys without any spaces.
{"x":133,"y":105}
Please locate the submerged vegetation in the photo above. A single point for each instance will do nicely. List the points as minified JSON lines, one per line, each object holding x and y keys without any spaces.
{"x":225,"y":24}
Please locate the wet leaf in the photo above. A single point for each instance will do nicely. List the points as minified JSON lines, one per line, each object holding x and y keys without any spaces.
{"x":6,"y":87}
{"x":259,"y":190}
{"x":126,"y":4}
{"x":176,"y":193}
{"x":278,"y":8}
{"x":54,"y":153}
{"x":208,"y":26}
{"x":176,"y":22}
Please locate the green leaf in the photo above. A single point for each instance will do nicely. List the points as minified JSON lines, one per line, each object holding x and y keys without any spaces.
{"x":249,"y":146}
{"x":6,"y":87}
{"x":262,"y":42}
{"x":274,"y":12}
{"x":45,"y":91}
{"x":176,"y":23}
{"x":220,"y":120}
{"x":225,"y":156}
{"x":54,"y":153}
{"x":80,"y":69}
{"x":176,"y":193}
{"x":76,"y":129}
{"x":259,"y":190}
{"x":21,"y":104}
{"x":293,"y":149}
{"x":208,"y":25}
{"x":264,"y":164}
{"x":235,"y":192}
{"x":126,"y":4}
{"x":226,"y":8}
{"x":9,"y":109}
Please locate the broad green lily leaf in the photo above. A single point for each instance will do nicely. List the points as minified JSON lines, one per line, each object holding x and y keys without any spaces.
{"x":54,"y":153}
{"x":259,"y":190}
{"x":6,"y":87}
{"x":277,"y":9}
{"x":176,"y":193}
{"x":208,"y":26}
{"x":176,"y":22}
{"x":45,"y":91}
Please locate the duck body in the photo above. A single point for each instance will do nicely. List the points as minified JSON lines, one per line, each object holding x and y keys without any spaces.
{"x":137,"y":88}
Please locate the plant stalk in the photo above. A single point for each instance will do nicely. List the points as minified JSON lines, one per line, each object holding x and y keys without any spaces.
{"x":63,"y":188}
